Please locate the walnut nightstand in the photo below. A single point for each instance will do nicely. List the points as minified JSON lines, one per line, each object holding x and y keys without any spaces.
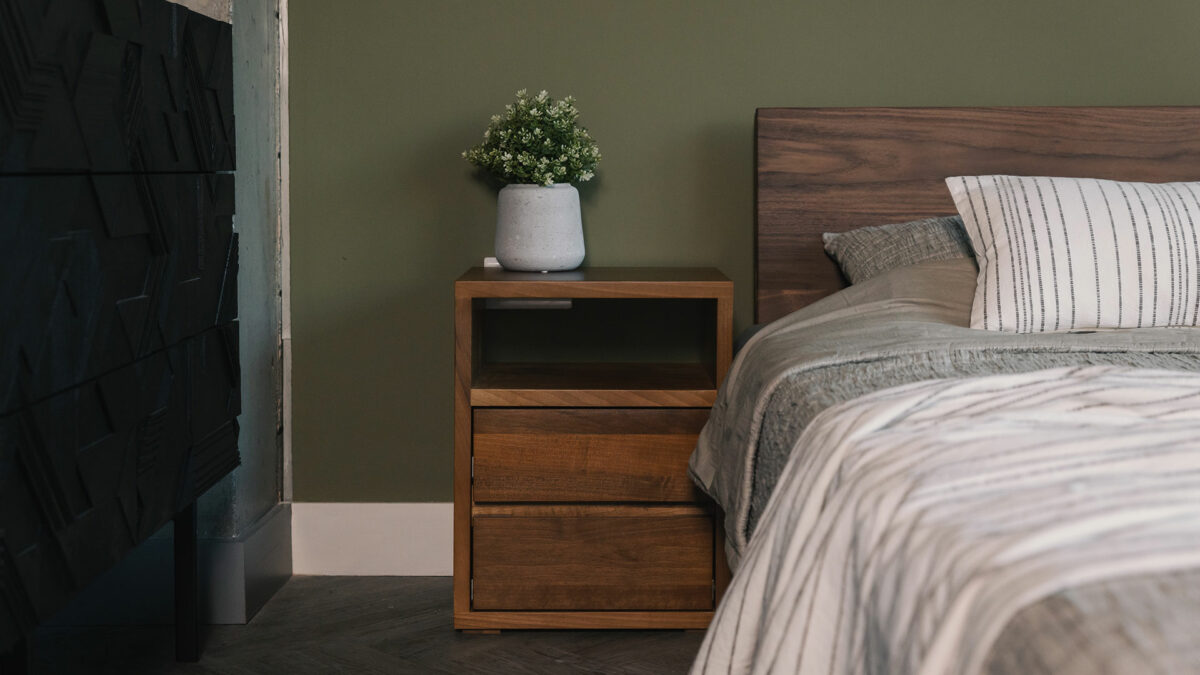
{"x":572,"y":431}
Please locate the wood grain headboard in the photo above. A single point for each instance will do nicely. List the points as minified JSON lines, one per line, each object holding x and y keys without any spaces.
{"x":835,"y":169}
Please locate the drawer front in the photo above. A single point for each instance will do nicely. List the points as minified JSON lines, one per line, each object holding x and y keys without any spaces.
{"x":648,"y":562}
{"x":572,"y":455}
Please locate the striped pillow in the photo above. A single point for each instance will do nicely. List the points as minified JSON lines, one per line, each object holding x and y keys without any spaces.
{"x":1060,"y":254}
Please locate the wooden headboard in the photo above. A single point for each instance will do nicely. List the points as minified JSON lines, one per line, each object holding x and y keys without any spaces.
{"x":835,"y":169}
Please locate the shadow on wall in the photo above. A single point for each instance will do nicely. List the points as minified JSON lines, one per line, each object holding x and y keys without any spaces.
{"x":391,"y":336}
{"x":726,"y":197}
{"x":700,"y":212}
{"x":725,"y":182}
{"x":465,"y":213}
{"x":394,"y":435}
{"x":388,"y":338}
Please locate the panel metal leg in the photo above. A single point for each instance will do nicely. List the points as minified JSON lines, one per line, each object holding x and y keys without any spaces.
{"x":17,"y":661}
{"x":187,"y":600}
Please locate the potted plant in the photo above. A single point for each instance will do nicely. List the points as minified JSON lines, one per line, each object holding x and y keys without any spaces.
{"x":538,"y":149}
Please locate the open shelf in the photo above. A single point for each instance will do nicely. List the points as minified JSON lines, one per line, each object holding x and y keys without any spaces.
{"x":593,"y":384}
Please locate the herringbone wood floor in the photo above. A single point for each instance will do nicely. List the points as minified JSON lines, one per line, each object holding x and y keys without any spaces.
{"x":363,"y":625}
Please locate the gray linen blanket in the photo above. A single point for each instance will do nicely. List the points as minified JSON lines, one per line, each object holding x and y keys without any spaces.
{"x":908,"y":325}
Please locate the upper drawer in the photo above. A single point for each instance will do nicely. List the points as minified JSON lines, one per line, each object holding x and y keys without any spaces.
{"x":574,"y":455}
{"x":126,"y":86}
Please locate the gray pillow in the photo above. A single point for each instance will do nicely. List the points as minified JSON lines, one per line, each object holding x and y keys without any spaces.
{"x":869,"y":251}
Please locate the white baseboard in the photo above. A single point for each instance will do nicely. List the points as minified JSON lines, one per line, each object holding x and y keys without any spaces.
{"x":355,"y":539}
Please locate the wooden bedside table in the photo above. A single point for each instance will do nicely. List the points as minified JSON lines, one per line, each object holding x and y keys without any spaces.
{"x":572,"y":431}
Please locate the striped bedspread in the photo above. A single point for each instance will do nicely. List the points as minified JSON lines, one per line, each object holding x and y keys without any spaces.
{"x":918,"y":520}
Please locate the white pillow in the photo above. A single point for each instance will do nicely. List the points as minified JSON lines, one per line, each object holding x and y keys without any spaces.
{"x":1060,"y":254}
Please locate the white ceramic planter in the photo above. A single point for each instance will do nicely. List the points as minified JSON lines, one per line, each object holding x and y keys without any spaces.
{"x":538,"y":228}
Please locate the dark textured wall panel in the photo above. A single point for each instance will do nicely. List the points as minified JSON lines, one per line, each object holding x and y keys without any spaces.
{"x":113,"y":86}
{"x":97,"y":271}
{"x":119,"y":382}
{"x":88,"y":473}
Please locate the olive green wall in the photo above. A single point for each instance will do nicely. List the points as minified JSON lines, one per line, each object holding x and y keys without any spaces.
{"x":385,"y":214}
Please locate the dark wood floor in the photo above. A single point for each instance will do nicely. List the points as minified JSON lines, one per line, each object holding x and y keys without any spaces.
{"x":363,"y":625}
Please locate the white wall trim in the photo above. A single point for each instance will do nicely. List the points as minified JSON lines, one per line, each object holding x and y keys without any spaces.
{"x":285,"y":249}
{"x":354,"y":539}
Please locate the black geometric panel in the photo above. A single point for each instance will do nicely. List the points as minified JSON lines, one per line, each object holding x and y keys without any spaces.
{"x":88,"y":473}
{"x":98,"y":271}
{"x":113,"y":86}
{"x":119,"y":382}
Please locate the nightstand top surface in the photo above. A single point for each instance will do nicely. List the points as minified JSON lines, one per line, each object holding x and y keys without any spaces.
{"x":600,"y":275}
{"x":644,"y":282}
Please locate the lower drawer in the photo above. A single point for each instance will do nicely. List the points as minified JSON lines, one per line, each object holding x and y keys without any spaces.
{"x":606,"y":562}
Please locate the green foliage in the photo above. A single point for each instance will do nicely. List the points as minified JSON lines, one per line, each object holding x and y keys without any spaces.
{"x":536,"y":140}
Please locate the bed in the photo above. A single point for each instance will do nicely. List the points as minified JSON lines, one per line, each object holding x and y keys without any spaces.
{"x":861,"y":351}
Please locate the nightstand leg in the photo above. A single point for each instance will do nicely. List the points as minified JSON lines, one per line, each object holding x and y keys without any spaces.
{"x":187,"y":606}
{"x":17,"y":660}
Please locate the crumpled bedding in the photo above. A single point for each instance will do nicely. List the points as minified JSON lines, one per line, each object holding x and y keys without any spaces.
{"x":914,"y":523}
{"x":911,"y":325}
{"x":907,"y":325}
